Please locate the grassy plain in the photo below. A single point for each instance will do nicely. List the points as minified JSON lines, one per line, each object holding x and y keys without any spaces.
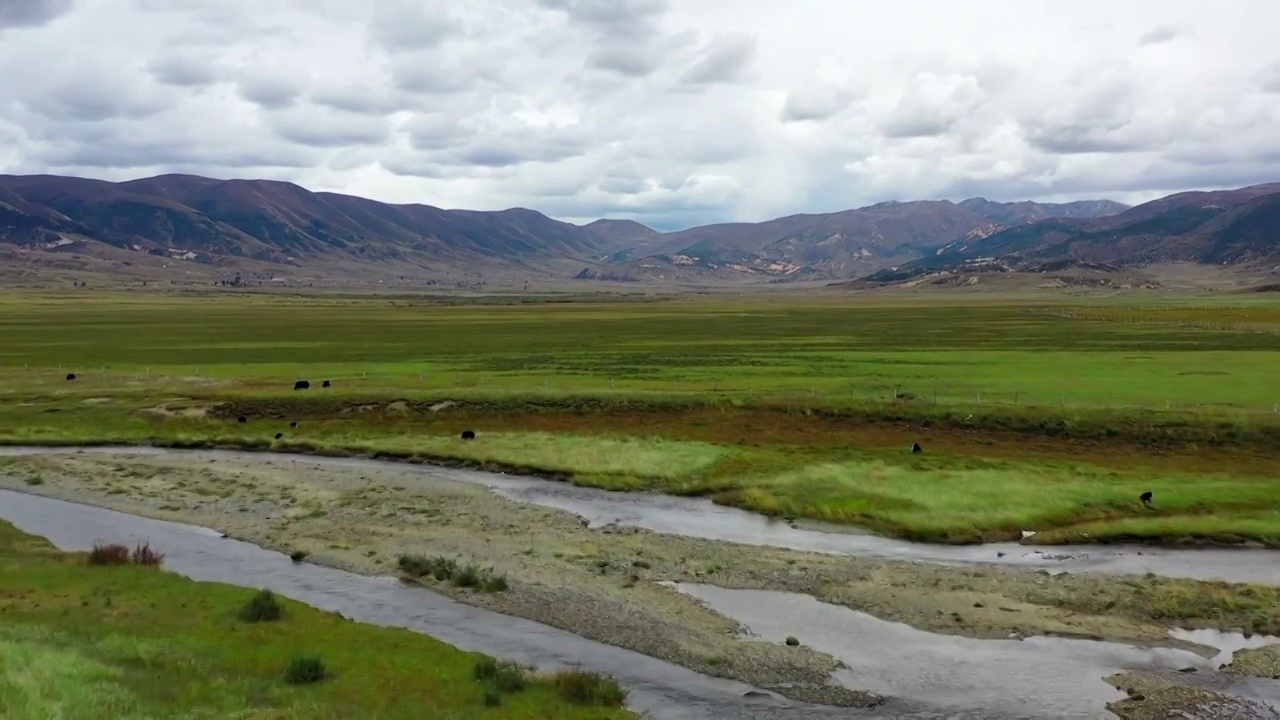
{"x":1039,"y":414}
{"x":131,"y":642}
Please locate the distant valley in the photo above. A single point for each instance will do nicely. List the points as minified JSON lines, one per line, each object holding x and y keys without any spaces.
{"x":251,"y":232}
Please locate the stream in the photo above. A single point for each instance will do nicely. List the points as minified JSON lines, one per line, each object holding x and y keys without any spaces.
{"x":700,"y":517}
{"x":926,"y":675}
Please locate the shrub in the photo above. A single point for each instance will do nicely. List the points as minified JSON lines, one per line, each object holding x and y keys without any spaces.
{"x":298,"y":555}
{"x":262,"y":608}
{"x":509,"y":677}
{"x":108,"y":554}
{"x":143,"y":554}
{"x":304,"y":670}
{"x":35,"y":480}
{"x":589,"y":688}
{"x":445,"y":569}
{"x":485,"y":668}
{"x":792,"y":641}
{"x":492,"y":582}
{"x":468,"y":577}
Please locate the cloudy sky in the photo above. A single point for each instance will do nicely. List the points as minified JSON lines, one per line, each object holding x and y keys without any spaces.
{"x":671,"y":112}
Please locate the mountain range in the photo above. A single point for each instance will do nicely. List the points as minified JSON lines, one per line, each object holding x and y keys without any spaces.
{"x":210,"y":229}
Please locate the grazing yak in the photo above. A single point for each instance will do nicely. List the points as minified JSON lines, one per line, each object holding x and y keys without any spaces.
{"x":71,"y":376}
{"x":302,"y":385}
{"x":1145,"y":498}
{"x":324,"y":384}
{"x":915,"y":448}
{"x":468,"y":434}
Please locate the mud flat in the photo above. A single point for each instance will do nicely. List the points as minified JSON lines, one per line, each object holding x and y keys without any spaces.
{"x":602,"y":582}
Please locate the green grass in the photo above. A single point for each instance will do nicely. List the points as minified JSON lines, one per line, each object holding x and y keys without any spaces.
{"x":949,"y":501}
{"x":783,"y":405}
{"x":126,"y":642}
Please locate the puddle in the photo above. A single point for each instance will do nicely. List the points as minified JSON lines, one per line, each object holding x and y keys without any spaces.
{"x":699,"y":517}
{"x":657,"y":687}
{"x":1035,"y":677}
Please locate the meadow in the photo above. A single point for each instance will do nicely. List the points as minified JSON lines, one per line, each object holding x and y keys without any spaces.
{"x":1049,"y":414}
{"x":130,"y":641}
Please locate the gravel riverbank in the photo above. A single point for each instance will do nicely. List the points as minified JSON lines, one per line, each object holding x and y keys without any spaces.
{"x":602,"y":583}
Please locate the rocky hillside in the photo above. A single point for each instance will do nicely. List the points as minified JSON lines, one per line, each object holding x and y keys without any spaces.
{"x":843,"y":244}
{"x":1233,"y":227}
{"x":185,"y":224}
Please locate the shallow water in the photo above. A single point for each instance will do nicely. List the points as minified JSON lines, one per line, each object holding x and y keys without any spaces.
{"x":699,"y":517}
{"x":928,"y":676}
{"x":660,"y":688}
{"x":1035,"y":677}
{"x":1227,"y":643}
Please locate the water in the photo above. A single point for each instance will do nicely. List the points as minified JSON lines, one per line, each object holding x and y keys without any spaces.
{"x":928,"y":676}
{"x":1227,"y":643}
{"x":699,"y":517}
{"x":663,"y":689}
{"x":1035,"y":677}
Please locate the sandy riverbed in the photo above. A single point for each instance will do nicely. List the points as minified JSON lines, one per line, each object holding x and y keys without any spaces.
{"x":599,"y":583}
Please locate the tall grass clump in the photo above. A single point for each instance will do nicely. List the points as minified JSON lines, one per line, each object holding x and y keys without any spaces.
{"x":444,"y":569}
{"x":584,"y":687}
{"x":144,"y":554}
{"x":263,"y":607}
{"x":108,"y":554}
{"x":305,"y":670}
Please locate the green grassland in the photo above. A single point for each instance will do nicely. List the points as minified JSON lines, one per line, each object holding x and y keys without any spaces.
{"x":129,"y":642}
{"x":1035,"y":414}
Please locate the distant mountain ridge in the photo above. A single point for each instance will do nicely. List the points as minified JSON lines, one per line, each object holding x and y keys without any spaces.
{"x":187,"y":221}
{"x":1229,"y":227}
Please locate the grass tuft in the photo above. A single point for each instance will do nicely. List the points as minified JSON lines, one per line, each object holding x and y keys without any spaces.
{"x":445,"y":569}
{"x":305,"y":670}
{"x":109,"y":554}
{"x":584,"y":687}
{"x":144,"y":554}
{"x":263,"y":607}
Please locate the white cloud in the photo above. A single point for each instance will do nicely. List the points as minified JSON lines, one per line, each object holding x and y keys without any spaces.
{"x":669,"y":113}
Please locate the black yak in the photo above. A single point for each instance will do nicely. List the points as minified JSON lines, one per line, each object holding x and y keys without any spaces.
{"x":302,"y":385}
{"x":468,"y":434}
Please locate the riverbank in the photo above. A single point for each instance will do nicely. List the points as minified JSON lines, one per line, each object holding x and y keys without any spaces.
{"x":967,"y":486}
{"x":132,"y":641}
{"x":602,"y":583}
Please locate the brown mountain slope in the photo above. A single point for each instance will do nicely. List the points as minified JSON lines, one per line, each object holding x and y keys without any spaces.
{"x":848,"y":243}
{"x":1235,"y":227}
{"x":207,"y":221}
